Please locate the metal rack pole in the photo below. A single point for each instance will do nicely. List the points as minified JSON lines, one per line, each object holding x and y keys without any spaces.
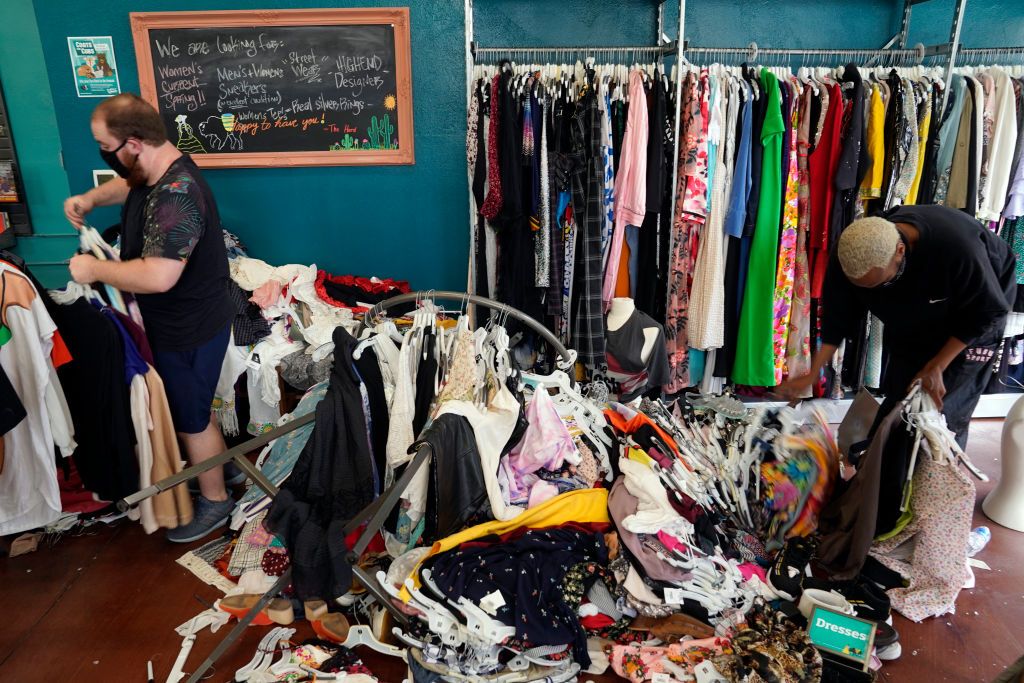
{"x":568,"y":358}
{"x":471,"y":284}
{"x":236,"y":453}
{"x":659,"y":49}
{"x":968,"y":52}
{"x":680,"y":42}
{"x":856,"y":52}
{"x":954,"y":46}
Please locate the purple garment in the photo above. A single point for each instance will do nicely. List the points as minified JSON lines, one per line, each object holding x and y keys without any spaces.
{"x":138,"y":335}
{"x":545,"y":445}
{"x":133,"y":362}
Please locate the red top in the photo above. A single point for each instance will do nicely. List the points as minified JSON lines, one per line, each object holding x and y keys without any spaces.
{"x":822,"y":167}
{"x":388,"y":286}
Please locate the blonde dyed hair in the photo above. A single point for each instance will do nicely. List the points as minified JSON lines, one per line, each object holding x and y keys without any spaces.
{"x":867,"y":243}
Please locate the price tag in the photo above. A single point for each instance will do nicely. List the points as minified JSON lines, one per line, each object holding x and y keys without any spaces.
{"x":674,"y":596}
{"x":491,"y":602}
{"x":662,"y":678}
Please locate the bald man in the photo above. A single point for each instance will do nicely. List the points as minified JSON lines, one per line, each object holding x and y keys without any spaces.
{"x":941,"y":284}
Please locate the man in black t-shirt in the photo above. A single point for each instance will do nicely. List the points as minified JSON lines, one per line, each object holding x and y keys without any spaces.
{"x":941,"y":284}
{"x":174,"y":261}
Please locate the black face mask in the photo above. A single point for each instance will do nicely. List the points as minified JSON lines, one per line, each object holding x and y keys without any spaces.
{"x":110,"y":157}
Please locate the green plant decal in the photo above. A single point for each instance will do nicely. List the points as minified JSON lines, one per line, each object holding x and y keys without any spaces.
{"x":335,"y":147}
{"x":380,"y":132}
{"x":348,"y":142}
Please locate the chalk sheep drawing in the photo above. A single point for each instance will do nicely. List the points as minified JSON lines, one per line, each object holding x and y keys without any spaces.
{"x":218,"y":137}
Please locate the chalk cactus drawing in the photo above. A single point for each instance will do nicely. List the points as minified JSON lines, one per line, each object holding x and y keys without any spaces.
{"x":380,"y":133}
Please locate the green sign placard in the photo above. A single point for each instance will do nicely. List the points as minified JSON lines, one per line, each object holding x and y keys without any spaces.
{"x":842,"y":634}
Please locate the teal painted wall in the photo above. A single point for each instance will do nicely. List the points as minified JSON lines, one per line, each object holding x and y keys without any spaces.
{"x":34,"y":125}
{"x":410,"y":222}
{"x":399,"y":221}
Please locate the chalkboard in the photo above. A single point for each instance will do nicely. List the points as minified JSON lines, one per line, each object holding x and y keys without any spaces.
{"x":280,"y":87}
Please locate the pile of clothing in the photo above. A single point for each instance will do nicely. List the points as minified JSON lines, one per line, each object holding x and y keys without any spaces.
{"x":548,"y":535}
{"x":285,"y":318}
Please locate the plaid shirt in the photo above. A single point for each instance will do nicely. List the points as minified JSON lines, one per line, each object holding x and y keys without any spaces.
{"x":587,"y":192}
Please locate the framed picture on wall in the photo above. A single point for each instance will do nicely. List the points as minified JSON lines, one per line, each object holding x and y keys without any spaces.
{"x":102,"y":175}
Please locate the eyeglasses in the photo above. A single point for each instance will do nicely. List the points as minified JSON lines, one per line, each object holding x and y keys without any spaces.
{"x":899,"y":272}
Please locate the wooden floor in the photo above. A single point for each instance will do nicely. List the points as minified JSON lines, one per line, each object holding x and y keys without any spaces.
{"x":97,"y":607}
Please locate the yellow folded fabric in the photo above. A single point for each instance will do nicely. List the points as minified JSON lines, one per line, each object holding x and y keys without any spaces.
{"x":584,"y":506}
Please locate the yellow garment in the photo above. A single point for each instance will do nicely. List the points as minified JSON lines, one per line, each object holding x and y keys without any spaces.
{"x":640,"y":457}
{"x":871,"y":186}
{"x":926,"y":108}
{"x":585,"y":506}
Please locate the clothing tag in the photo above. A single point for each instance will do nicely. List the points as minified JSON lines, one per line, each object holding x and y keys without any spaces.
{"x":253,"y":361}
{"x":674,"y":596}
{"x":980,"y":564}
{"x":707,"y":673}
{"x":491,"y":602}
{"x":661,"y":678}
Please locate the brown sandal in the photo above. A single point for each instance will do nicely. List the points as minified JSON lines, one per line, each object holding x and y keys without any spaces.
{"x":332,"y":626}
{"x":277,"y":611}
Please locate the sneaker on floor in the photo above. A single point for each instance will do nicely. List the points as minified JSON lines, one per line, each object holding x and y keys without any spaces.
{"x":787,"y":573}
{"x":207,"y":516}
{"x":889,"y":652}
{"x":232,"y":477}
{"x":885,"y":636}
{"x":868,"y":602}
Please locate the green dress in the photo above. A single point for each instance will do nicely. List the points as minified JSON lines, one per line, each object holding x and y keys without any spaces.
{"x":755,"y":361}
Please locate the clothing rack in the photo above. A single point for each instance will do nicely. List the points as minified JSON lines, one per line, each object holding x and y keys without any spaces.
{"x":661,"y":48}
{"x":568,"y":358}
{"x":752,"y":52}
{"x":576,"y":51}
{"x":373,"y":515}
{"x":992,"y":53}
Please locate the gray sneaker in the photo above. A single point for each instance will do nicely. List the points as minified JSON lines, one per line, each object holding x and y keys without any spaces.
{"x":208,"y":516}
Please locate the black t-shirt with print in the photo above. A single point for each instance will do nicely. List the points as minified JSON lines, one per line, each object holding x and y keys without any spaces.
{"x":177,"y":219}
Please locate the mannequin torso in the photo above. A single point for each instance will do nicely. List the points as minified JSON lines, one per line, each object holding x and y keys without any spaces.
{"x":619,"y":314}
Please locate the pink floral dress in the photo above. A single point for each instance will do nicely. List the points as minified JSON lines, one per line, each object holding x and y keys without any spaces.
{"x":786,"y":268}
{"x":691,"y":211}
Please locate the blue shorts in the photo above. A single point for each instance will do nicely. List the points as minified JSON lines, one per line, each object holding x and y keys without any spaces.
{"x":190,"y":381}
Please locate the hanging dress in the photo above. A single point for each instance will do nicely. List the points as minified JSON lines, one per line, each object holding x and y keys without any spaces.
{"x":798,"y":344}
{"x":690,"y":216}
{"x":755,"y":363}
{"x":786,"y":271}
{"x":707,"y":302}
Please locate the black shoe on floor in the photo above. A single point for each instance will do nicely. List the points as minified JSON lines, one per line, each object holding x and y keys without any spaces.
{"x":868,"y":602}
{"x":885,"y":635}
{"x":881,"y":575}
{"x":787,"y":573}
{"x":232,"y":477}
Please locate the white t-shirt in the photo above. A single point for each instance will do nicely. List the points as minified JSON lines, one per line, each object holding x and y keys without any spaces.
{"x":29,"y":495}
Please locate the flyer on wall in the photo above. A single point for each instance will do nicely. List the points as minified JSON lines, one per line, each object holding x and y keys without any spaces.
{"x":94,"y":66}
{"x":8,"y":186}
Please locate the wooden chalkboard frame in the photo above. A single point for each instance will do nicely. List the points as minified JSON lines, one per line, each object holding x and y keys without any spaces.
{"x":398,"y":17}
